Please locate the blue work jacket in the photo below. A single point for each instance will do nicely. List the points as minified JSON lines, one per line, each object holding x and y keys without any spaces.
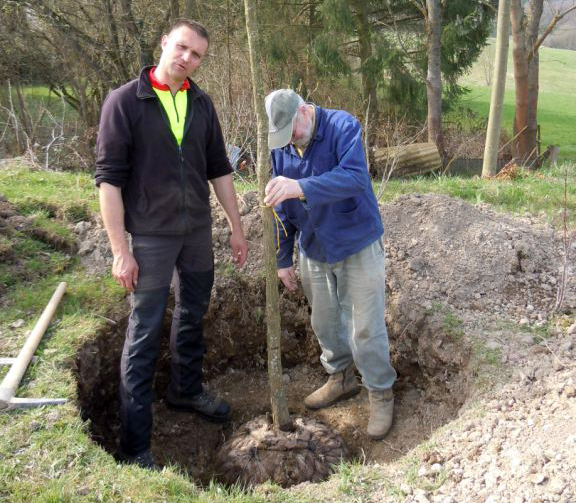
{"x":339,"y":215}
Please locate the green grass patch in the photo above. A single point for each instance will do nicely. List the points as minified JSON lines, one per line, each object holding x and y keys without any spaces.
{"x":451,"y":324}
{"x":72,"y":197}
{"x":541,"y":332}
{"x":29,"y":260}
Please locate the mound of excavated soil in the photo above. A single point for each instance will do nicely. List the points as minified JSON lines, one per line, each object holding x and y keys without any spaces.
{"x":471,"y":257}
{"x":470,"y":292}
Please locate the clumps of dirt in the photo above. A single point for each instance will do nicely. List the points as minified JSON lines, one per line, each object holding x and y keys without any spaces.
{"x":257,"y":453}
{"x":470,"y":257}
{"x":452,"y":263}
{"x":7,"y":211}
{"x":93,"y":246}
{"x":518,"y":446}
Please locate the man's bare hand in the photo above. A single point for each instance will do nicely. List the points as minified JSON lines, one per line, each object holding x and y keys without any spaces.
{"x":288,"y":276}
{"x":281,"y":188}
{"x":125,"y":271}
{"x":239,"y":248}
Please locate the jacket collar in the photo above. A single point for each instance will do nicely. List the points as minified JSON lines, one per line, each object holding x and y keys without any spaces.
{"x":320,"y":123}
{"x":145,"y":90}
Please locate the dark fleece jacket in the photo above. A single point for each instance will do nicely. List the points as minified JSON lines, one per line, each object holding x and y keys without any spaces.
{"x":164,"y":185}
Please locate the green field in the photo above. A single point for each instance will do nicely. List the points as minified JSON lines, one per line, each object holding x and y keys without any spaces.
{"x":556,"y":104}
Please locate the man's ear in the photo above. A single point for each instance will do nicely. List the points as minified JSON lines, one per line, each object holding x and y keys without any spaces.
{"x":164,"y":41}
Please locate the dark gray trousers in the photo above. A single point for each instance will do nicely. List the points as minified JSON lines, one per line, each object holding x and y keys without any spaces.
{"x":188,"y":260}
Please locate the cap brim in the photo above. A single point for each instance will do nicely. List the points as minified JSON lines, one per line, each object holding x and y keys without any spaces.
{"x":282,"y":137}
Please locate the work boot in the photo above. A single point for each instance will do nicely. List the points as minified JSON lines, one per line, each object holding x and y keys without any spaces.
{"x":338,"y":386}
{"x":205,"y":404}
{"x":143,"y":460}
{"x":381,"y":410}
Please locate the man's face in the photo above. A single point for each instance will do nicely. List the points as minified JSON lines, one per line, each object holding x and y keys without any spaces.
{"x":302,"y":130}
{"x":182,"y":52}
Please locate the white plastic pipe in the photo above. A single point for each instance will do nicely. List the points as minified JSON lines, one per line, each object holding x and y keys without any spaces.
{"x":12,"y":379}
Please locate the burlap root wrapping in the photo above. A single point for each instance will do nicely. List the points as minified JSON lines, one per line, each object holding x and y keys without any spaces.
{"x":257,"y":453}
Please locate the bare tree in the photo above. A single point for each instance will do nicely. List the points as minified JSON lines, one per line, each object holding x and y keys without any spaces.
{"x":433,"y":17}
{"x":280,"y":413}
{"x":93,"y":46}
{"x":497,"y":98}
{"x":368,"y":76}
{"x":486,"y":62}
{"x":527,"y":39}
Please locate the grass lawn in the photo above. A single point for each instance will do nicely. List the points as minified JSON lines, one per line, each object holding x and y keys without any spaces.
{"x":556,"y":103}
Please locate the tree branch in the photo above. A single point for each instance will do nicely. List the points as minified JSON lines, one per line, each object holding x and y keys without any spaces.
{"x":548,"y":30}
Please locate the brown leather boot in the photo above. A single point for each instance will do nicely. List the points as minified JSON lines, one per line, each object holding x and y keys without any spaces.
{"x":381,"y":411}
{"x":338,"y":386}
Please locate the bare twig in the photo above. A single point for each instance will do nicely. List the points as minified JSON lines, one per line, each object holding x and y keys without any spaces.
{"x":366,"y":145}
{"x":568,"y":238}
{"x":458,"y":150}
{"x":391,"y":164}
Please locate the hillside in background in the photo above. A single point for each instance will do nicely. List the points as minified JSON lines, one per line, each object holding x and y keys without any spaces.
{"x":556,"y":105}
{"x":564,"y":35}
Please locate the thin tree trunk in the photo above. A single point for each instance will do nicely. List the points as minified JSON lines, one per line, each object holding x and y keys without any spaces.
{"x":191,"y":9}
{"x":369,"y":96}
{"x":308,"y":77}
{"x":434,"y":76}
{"x":280,"y":412}
{"x":532,"y":116}
{"x":229,"y":55}
{"x":25,"y":118}
{"x":496,"y":101}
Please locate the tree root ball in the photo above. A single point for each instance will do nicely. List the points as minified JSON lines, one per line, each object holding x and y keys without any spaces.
{"x":257,"y":453}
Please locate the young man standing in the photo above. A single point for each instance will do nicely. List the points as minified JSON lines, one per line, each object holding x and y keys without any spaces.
{"x":159,"y":144}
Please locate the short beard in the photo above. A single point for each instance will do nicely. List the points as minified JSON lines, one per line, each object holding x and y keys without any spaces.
{"x":306,"y":137}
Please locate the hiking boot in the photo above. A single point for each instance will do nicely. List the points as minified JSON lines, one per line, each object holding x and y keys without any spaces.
{"x":143,"y":460}
{"x":205,"y":404}
{"x":381,"y":411}
{"x":338,"y":386}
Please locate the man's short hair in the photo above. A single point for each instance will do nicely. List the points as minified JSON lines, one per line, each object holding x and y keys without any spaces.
{"x":193,"y":25}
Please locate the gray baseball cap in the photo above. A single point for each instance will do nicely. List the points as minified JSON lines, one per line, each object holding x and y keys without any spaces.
{"x":281,"y":107}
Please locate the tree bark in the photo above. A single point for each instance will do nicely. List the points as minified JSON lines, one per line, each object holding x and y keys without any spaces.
{"x":369,"y":96}
{"x":434,"y":75}
{"x":496,"y":101}
{"x":525,"y":34}
{"x":527,"y":42}
{"x":280,"y":414}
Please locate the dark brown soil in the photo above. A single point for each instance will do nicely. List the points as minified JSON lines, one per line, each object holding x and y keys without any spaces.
{"x":192,"y":443}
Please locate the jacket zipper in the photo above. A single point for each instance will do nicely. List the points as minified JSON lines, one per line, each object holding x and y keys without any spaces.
{"x":180,"y":160}
{"x":183,"y":181}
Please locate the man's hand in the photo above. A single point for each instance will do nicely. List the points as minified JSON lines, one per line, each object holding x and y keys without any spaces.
{"x":281,"y":188}
{"x":125,"y":271}
{"x":239,"y":248}
{"x":288,"y":277}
